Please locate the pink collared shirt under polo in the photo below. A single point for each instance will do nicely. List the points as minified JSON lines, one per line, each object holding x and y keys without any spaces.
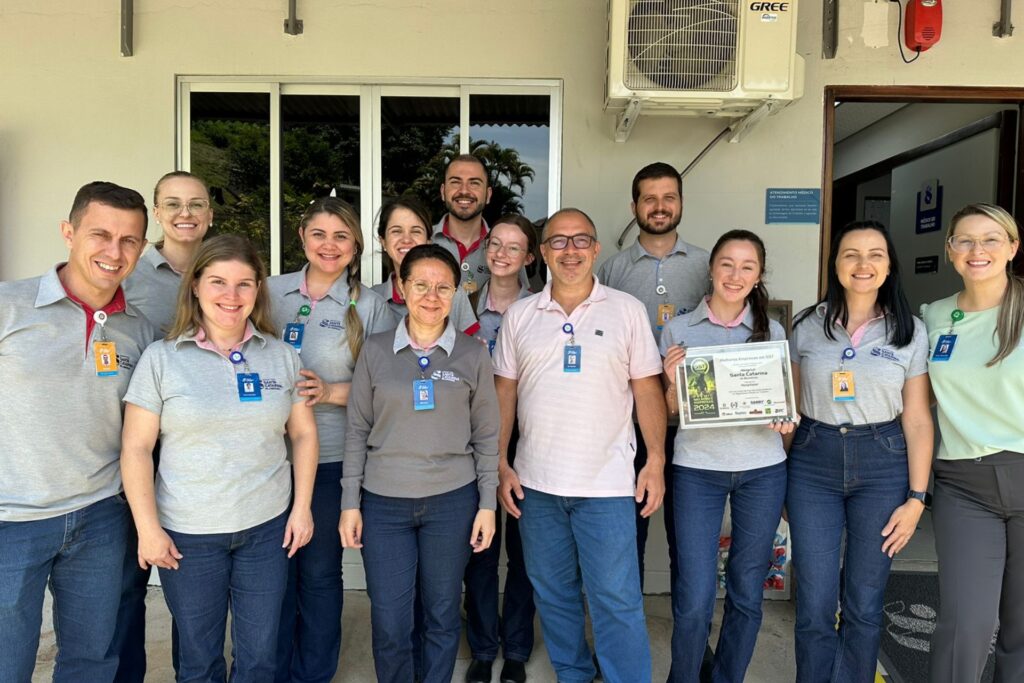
{"x":576,"y":429}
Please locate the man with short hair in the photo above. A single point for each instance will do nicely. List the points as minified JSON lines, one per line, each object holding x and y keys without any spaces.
{"x":68,"y":344}
{"x":670,"y":277}
{"x":573,"y":358}
{"x":466,"y":190}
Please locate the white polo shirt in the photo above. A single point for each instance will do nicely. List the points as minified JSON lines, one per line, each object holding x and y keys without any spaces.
{"x":576,"y":428}
{"x":60,"y":422}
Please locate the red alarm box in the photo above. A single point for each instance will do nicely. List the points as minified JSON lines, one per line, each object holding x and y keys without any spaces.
{"x":923,"y":24}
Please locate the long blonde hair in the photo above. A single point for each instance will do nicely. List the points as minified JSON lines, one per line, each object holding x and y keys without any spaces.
{"x":344,"y":211}
{"x":189,"y":317}
{"x":1011,"y":308}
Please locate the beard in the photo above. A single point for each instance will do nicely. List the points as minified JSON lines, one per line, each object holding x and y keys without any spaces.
{"x":466,"y":214}
{"x":652,"y":230}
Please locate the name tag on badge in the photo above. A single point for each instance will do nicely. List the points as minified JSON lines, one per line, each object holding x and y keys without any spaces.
{"x":293,"y":333}
{"x":842,"y":386}
{"x":665,"y":313}
{"x":572,"y":358}
{"x":105,"y":355}
{"x":944,"y":347}
{"x":423,"y":394}
{"x":249,"y":386}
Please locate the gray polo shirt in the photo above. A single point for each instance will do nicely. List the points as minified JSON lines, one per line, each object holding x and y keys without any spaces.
{"x":490,"y":321}
{"x":724,"y":449}
{"x":879,"y":370}
{"x":223,"y":462}
{"x":683,"y":274}
{"x":61,"y":422}
{"x":461,"y":314}
{"x":392,"y":449}
{"x":325,"y":342}
{"x":474,"y":265}
{"x":153,"y":288}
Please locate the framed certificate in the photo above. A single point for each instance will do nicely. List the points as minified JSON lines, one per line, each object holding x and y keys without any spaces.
{"x":734,"y":385}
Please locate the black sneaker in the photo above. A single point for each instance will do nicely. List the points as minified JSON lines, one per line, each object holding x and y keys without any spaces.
{"x":479,"y":671}
{"x":513,"y":672}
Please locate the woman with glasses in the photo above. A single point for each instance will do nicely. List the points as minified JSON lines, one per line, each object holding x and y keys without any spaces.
{"x":420,"y":469}
{"x":325,"y":314}
{"x":403,"y":224}
{"x":510,"y":247}
{"x":976,"y":365}
{"x":220,"y":392}
{"x":859,"y":461}
{"x":746,"y":465}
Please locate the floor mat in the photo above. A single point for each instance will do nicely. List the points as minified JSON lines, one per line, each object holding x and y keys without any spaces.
{"x":911,"y":605}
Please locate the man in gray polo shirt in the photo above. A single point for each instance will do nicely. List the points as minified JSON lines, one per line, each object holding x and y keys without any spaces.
{"x":465,"y":191}
{"x":68,"y":345}
{"x":670,"y":277}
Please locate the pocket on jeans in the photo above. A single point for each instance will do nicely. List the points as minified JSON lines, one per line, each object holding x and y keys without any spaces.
{"x":801,"y":438}
{"x":896,"y":444}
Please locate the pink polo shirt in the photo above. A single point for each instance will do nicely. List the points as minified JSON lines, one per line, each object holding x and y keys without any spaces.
{"x":576,"y":429}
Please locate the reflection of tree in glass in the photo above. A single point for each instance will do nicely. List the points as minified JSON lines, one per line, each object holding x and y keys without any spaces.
{"x":508,"y":171}
{"x":233,"y":157}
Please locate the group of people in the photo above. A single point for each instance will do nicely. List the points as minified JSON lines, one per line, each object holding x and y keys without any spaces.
{"x":176,"y":407}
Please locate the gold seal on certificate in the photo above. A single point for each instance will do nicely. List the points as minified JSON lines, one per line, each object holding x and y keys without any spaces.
{"x":736,"y":384}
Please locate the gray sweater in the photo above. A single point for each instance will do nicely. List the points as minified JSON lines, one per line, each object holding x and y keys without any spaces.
{"x":392,"y":449}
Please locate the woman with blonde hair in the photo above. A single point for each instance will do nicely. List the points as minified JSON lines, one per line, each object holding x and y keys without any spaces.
{"x":325,"y":314}
{"x":976,"y":365}
{"x":220,"y":392}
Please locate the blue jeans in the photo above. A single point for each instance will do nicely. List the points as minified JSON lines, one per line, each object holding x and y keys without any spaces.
{"x":755,"y":498}
{"x":572,"y":544}
{"x":246,"y":571}
{"x":80,"y":554}
{"x":846,"y":478}
{"x":416,"y":546}
{"x":309,"y":637}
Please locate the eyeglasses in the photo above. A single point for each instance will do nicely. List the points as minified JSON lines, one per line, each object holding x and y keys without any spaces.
{"x":421,"y":288}
{"x":580,"y":241}
{"x":964,"y":245}
{"x":194,"y":207}
{"x":510,"y":249}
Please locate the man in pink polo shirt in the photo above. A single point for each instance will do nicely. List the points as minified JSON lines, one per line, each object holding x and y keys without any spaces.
{"x":574,"y":358}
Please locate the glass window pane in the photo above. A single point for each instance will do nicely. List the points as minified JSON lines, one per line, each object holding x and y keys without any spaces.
{"x":319,"y":153}
{"x":230,"y":150}
{"x":512,"y":133}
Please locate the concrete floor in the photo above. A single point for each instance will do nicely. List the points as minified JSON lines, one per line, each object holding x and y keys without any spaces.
{"x":773,"y":658}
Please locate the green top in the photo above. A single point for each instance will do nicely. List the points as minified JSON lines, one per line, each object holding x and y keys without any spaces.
{"x":979,"y":406}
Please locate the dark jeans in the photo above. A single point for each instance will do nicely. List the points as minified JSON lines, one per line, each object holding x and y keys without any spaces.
{"x":79,"y":555}
{"x":755,"y":499}
{"x":842,"y":479}
{"x":309,"y":637}
{"x":245,"y":571}
{"x":515,"y":626}
{"x":416,"y":546}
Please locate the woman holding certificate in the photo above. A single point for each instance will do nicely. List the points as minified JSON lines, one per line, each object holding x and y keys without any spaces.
{"x":976,"y":366}
{"x":745,"y":464}
{"x":860,"y":459}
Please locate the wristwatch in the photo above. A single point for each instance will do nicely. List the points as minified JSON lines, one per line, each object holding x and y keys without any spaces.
{"x":923,"y":496}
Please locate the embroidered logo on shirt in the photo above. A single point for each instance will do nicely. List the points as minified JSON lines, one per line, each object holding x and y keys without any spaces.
{"x":125,"y":362}
{"x":270,"y":385}
{"x":445,"y":376}
{"x":885,"y":353}
{"x":332,"y":324}
{"x":599,"y":333}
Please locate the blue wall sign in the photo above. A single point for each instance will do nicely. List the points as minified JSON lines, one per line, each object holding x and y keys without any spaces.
{"x":929,"y":207}
{"x":792,"y":205}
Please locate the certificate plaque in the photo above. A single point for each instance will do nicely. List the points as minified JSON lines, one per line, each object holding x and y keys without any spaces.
{"x":735,"y":385}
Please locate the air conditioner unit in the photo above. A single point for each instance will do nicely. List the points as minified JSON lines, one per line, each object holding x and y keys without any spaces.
{"x":702,"y":57}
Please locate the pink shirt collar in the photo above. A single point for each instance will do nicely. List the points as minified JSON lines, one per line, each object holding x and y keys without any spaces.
{"x":204,"y":343}
{"x":734,"y":323}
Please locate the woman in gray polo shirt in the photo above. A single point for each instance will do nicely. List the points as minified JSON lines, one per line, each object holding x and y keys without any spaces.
{"x":220,"y":391}
{"x":746,"y":465}
{"x":420,"y":469}
{"x":860,"y":459}
{"x":323,"y":311}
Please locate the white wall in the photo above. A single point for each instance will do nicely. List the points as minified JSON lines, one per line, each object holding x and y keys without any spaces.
{"x":73,"y":110}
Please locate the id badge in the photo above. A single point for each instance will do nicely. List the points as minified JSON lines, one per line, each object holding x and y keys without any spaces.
{"x":490,"y":346}
{"x":571,"y":358}
{"x":249,"y":386}
{"x":105,"y":355}
{"x":423,"y":394}
{"x":944,"y":347}
{"x":293,"y":333}
{"x":469,"y":286}
{"x":842,"y":386}
{"x":665,"y":313}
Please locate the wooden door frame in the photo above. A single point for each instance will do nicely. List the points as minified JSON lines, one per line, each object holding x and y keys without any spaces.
{"x":901,"y":93}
